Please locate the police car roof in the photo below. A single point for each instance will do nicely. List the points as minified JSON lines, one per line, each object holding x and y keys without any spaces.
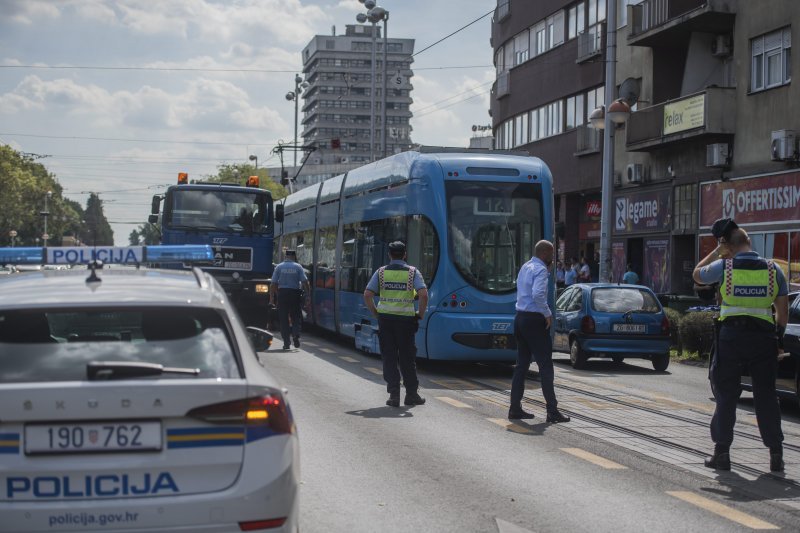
{"x":120,"y":286}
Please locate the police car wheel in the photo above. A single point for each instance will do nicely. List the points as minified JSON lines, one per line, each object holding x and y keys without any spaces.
{"x":660,"y":362}
{"x":577,"y":357}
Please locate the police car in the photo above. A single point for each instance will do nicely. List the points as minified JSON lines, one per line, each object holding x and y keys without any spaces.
{"x":132,"y":399}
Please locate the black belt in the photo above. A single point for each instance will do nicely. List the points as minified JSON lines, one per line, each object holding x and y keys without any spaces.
{"x":747,"y":323}
{"x":531,"y":313}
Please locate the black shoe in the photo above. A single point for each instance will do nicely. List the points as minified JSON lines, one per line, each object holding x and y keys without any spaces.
{"x":297,"y":342}
{"x":413,"y":398}
{"x":519,"y":414}
{"x":556,"y":417}
{"x":286,"y":346}
{"x":776,"y":460}
{"x":394,"y":399}
{"x":719,"y":461}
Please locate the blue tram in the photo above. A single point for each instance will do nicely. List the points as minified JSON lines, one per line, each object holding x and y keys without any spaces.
{"x":470,"y":220}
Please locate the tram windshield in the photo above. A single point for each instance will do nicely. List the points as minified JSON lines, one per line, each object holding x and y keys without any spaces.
{"x":210,"y":210}
{"x":492,"y":229}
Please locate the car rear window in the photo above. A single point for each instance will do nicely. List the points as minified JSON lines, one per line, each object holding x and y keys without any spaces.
{"x":58,"y":345}
{"x":622,"y":300}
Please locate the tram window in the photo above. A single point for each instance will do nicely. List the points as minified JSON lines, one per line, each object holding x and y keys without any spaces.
{"x":326,"y":258}
{"x":347,"y":270}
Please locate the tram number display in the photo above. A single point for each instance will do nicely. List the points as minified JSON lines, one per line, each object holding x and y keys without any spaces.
{"x":489,"y":205}
{"x":76,"y":438}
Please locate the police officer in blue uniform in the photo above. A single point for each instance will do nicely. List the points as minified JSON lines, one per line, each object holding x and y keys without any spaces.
{"x":288,"y":281}
{"x":749,"y":339}
{"x":532,"y":331}
{"x":397,"y":284}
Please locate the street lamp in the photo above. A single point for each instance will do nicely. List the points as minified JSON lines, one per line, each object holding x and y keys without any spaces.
{"x":618,"y":113}
{"x":299,"y":87}
{"x":13,"y":235}
{"x":254,"y":158}
{"x":374,"y":15}
{"x":46,"y":214}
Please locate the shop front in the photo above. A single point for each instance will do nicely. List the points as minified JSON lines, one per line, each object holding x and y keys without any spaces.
{"x":641,"y":237}
{"x":767,"y":207}
{"x":589,"y":227}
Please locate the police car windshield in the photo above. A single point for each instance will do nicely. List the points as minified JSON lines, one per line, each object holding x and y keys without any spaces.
{"x":37,"y":346}
{"x":220,"y":210}
{"x":492,"y":228}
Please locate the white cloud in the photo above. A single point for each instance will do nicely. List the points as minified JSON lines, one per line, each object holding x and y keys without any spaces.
{"x":28,"y":12}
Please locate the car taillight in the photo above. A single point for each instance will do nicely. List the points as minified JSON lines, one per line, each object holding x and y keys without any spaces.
{"x":665,"y":325}
{"x":255,"y":525}
{"x":587,"y":324}
{"x":269,"y":410}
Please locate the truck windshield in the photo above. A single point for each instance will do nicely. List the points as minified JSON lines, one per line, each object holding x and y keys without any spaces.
{"x":243,"y":212}
{"x":492,"y":228}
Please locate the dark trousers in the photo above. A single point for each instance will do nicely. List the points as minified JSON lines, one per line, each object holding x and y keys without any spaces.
{"x":533,"y":342}
{"x":396,"y":337}
{"x":289,"y":306}
{"x":740,"y":350}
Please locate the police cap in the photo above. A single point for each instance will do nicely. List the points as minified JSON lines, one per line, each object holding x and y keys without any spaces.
{"x":723,"y":227}
{"x":397,"y":247}
{"x":291,"y":253}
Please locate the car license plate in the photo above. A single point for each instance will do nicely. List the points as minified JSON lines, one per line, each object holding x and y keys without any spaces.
{"x":100,"y":437}
{"x":629,"y":328}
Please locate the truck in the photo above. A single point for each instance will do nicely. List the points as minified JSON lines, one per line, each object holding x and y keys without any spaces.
{"x":237,"y":221}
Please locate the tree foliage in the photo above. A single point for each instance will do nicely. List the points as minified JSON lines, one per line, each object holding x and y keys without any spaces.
{"x":96,"y":230}
{"x":238,"y":173}
{"x":146,"y":234}
{"x":24,"y":184}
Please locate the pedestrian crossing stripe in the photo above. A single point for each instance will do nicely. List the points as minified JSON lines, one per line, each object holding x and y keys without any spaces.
{"x":348,"y":359}
{"x":594,"y":459}
{"x":511,"y":426}
{"x":453,"y":402}
{"x":722,"y":510}
{"x":376,"y":371}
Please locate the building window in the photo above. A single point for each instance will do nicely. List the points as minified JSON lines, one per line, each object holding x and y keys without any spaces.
{"x":685,"y":206}
{"x":330,"y":44}
{"x":521,"y":43}
{"x":572,"y":23}
{"x":574,"y":112}
{"x":771,"y":60}
{"x":594,"y":99}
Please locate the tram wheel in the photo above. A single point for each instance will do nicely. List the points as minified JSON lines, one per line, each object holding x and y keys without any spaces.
{"x":577,"y":357}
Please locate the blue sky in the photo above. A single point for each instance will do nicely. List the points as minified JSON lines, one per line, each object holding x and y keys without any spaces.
{"x":198,"y":119}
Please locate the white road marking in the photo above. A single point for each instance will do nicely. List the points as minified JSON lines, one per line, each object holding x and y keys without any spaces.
{"x":508,"y":527}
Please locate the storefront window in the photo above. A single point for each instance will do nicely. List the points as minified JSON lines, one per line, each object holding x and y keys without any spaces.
{"x":685,"y":206}
{"x":794,"y":266}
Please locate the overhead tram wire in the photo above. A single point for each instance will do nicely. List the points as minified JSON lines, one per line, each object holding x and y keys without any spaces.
{"x":453,"y":33}
{"x":115,"y":139}
{"x":192,"y":69}
{"x":418,"y":111}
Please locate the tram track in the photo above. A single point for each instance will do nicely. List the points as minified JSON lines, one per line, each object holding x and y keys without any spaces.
{"x":632,"y":432}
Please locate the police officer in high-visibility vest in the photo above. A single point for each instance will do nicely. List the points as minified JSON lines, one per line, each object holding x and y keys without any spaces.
{"x":397,"y":284}
{"x":749,"y":339}
{"x":288,"y":282}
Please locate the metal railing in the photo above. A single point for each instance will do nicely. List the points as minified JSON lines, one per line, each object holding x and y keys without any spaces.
{"x":502,"y":10}
{"x":590,"y":43}
{"x":650,"y":14}
{"x":588,"y":139}
{"x":503,"y":84}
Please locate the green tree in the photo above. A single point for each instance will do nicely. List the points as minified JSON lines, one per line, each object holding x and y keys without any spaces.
{"x":146,"y":234}
{"x":238,"y":173}
{"x":24,"y":183}
{"x":96,"y":230}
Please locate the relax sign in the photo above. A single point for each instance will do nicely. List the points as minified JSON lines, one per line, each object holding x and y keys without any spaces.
{"x":685,"y":114}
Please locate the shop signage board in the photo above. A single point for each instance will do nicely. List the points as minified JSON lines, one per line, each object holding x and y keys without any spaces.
{"x":685,"y":114}
{"x":643,"y":212}
{"x":763,"y":200}
{"x":593,"y":209}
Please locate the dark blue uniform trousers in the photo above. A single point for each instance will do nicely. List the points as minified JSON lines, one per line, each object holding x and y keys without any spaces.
{"x":290,"y":306}
{"x":396,"y":337}
{"x":533,"y":342}
{"x":740,"y":350}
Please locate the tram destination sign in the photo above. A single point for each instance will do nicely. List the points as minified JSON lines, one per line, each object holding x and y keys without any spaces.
{"x":763,"y":200}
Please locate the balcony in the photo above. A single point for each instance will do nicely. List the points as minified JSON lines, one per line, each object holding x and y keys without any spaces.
{"x":590,"y":43}
{"x":501,"y":11}
{"x":707,"y":113}
{"x":503,"y":85}
{"x":670,"y":22}
{"x":588,"y":140}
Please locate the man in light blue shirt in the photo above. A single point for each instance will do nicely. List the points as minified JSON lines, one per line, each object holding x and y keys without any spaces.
{"x":532,"y":332}
{"x":571,"y":274}
{"x":288,"y":281}
{"x":630,"y":277}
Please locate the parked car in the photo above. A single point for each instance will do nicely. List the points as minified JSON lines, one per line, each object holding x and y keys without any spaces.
{"x":611,"y":321}
{"x":788,"y":382}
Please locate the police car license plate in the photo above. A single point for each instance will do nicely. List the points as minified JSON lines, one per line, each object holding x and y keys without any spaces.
{"x":629,"y":328}
{"x":101,"y":437}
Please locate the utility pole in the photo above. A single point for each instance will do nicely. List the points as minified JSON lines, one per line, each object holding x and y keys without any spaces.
{"x":606,"y":215}
{"x":385,"y":129}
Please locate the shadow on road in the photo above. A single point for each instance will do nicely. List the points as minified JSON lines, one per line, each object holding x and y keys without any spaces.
{"x":764,"y":487}
{"x":607,"y":367}
{"x":383,"y":412}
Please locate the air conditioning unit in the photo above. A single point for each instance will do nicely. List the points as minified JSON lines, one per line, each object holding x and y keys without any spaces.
{"x":721,"y":46}
{"x":783,"y":145}
{"x":717,"y":155}
{"x":635,"y":172}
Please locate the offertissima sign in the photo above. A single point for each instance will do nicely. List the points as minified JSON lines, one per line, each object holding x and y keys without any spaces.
{"x":762,"y":200}
{"x":643,"y":212}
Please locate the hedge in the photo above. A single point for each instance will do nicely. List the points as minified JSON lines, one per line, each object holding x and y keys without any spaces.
{"x":674,"y":324}
{"x":696,"y":330}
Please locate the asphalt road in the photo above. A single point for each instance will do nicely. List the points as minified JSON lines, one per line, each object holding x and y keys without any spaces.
{"x":455,"y":464}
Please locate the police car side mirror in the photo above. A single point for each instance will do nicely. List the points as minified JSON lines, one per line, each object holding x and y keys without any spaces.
{"x":261,"y":339}
{"x":279,"y":213}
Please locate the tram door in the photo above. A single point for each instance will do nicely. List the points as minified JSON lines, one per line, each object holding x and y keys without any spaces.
{"x":500,"y":251}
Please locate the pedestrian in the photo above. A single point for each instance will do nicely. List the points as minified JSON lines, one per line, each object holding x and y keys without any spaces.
{"x":289,"y":281}
{"x":397,"y":285}
{"x":532,"y":331}
{"x":560,"y":275}
{"x":584,"y":272}
{"x":594,"y":268}
{"x":750,"y":338}
{"x":630,"y":277}
{"x":571,"y":274}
